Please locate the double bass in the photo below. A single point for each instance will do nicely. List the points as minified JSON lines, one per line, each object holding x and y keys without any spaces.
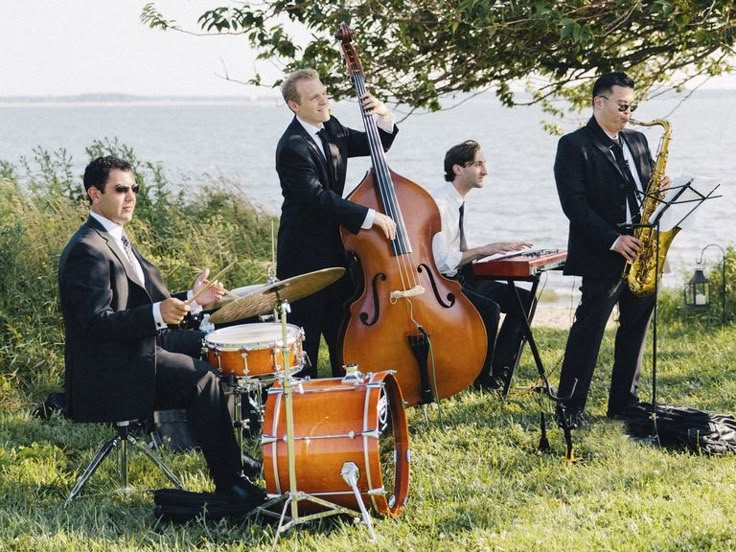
{"x":408,"y":317}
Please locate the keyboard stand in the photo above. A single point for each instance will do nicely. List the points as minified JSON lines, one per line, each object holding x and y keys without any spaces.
{"x":528,"y":335}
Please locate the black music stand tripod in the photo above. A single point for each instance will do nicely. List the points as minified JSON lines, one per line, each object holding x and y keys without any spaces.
{"x":678,"y":192}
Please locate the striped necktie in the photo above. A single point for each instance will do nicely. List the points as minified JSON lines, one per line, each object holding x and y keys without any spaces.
{"x":135,"y":265}
{"x":128,"y":248}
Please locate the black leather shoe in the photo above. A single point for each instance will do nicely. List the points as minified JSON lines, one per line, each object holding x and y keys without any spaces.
{"x":573,"y":417}
{"x":489,"y":383}
{"x":245,"y":492}
{"x":631,"y":410}
{"x":251,"y":466}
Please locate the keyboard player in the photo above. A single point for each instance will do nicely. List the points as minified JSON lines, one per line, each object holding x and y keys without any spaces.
{"x":465,"y":169}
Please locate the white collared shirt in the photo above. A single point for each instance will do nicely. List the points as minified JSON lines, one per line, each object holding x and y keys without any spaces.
{"x":446,"y":243}
{"x":629,"y":158}
{"x":312,"y":131}
{"x":116,"y":231}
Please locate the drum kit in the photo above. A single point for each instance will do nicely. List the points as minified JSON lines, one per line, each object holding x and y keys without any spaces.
{"x":330,"y":446}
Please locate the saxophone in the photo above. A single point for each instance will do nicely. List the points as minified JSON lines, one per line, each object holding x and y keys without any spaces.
{"x":642,"y":274}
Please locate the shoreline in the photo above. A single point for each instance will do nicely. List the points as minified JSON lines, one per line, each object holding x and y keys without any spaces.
{"x":560,"y":318}
{"x":551,"y":316}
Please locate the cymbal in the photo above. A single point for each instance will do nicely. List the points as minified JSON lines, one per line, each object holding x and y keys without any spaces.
{"x":233,"y":294}
{"x":265,"y":299}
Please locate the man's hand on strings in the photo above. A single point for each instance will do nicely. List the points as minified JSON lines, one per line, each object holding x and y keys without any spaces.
{"x":386,"y":224}
{"x":374,"y":106}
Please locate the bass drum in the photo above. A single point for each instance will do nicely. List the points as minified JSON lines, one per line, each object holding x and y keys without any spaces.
{"x":359,"y":419}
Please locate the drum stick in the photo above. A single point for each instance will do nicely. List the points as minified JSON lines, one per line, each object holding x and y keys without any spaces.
{"x":230,"y":293}
{"x":211,"y":282}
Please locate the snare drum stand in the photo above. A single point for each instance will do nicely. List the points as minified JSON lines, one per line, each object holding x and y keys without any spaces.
{"x":249,"y":387}
{"x":293,"y":496}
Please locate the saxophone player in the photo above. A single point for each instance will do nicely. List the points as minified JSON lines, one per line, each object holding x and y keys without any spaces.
{"x":601,"y":171}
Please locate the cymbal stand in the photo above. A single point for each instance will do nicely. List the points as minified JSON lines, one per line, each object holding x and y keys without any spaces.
{"x":293,"y":496}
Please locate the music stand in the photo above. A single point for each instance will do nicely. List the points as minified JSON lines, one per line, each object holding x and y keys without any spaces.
{"x":654,"y":225}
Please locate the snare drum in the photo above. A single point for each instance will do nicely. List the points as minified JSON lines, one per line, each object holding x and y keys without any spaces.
{"x":253,"y":349}
{"x":336,"y":421}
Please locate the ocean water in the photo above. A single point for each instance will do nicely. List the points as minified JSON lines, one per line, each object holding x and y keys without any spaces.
{"x":237,"y":140}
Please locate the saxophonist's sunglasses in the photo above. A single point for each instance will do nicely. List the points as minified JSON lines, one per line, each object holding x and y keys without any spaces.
{"x":623,"y":107}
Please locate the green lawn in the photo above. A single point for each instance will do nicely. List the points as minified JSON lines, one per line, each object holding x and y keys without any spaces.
{"x":477,"y":481}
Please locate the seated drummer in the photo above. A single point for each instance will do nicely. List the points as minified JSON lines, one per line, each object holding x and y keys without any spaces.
{"x":465,"y":169}
{"x":122,"y":361}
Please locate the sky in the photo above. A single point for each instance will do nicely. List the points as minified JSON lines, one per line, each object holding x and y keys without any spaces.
{"x":71,"y":47}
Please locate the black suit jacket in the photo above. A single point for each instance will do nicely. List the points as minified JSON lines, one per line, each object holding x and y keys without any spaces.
{"x":592,"y":191}
{"x":313,"y":207}
{"x":109,"y":328}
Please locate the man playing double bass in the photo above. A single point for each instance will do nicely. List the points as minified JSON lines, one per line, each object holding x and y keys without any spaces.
{"x":311,"y":161}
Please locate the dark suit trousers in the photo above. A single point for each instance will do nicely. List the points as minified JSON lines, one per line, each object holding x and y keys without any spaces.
{"x":184,"y":381}
{"x":491,"y":298}
{"x":322,"y":314}
{"x":584,"y":342}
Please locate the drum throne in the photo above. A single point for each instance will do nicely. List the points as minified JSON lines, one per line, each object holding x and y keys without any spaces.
{"x":122,"y":441}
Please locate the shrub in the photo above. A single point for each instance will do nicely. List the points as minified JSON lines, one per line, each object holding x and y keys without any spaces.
{"x":181,"y":227}
{"x":671,"y":303}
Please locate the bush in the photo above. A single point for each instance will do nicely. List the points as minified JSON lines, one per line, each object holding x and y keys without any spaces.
{"x":671,"y":305}
{"x":181,"y":228}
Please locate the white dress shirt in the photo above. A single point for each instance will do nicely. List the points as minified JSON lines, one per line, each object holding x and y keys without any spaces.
{"x":446,"y":244}
{"x":629,"y":158}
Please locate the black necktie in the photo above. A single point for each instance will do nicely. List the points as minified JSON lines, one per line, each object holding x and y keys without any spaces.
{"x":463,"y":243}
{"x":327,"y":151}
{"x":623,"y":165}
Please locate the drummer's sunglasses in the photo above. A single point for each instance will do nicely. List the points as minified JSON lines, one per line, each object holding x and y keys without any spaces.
{"x":123,"y":189}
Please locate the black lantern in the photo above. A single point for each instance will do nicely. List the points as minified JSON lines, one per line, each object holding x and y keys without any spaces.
{"x":697,"y":292}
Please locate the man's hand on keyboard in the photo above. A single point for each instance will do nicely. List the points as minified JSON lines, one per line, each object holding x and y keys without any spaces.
{"x":506,"y":248}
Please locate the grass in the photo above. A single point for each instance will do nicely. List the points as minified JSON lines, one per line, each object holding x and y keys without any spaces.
{"x":477,"y":481}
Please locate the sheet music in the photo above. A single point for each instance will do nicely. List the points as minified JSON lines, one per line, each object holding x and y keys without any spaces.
{"x":681,"y":198}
